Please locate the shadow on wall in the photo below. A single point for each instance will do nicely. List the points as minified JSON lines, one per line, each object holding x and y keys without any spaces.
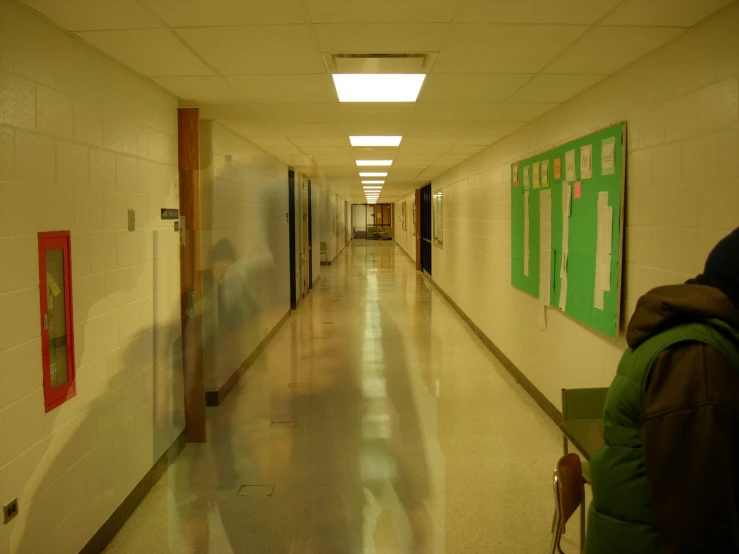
{"x":128,"y":410}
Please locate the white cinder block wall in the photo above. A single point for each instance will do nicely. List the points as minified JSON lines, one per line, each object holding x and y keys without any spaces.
{"x":405,"y":239}
{"x":248,"y":204}
{"x":681,"y":107}
{"x":81,"y":141}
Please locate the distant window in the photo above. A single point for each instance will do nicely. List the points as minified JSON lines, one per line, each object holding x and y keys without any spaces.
{"x":57,"y":323}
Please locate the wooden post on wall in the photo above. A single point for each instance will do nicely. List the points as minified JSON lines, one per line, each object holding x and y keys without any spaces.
{"x":418,"y":229}
{"x":188,"y":134}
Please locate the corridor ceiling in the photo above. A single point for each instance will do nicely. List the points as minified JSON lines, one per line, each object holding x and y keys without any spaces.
{"x":260,"y":67}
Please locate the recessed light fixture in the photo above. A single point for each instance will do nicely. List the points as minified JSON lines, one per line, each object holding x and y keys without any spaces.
{"x":375,"y":141}
{"x":372,"y":188}
{"x":373,"y":174}
{"x":373,"y":182}
{"x":374,"y":163}
{"x":378,"y":87}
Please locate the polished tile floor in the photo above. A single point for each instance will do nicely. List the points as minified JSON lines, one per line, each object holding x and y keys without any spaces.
{"x":375,"y":422}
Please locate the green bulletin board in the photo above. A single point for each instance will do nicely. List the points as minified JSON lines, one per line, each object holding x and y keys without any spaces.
{"x":587,"y":284}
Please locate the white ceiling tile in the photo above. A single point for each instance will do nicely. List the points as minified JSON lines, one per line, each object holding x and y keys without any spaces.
{"x":333,"y":142}
{"x":285,"y":88}
{"x":298,"y":113}
{"x":437,"y":128}
{"x":376,"y":129}
{"x":663,"y":13}
{"x":476,"y":140}
{"x":237,"y":112}
{"x":256,"y":49}
{"x":385,"y":112}
{"x":501,"y":128}
{"x":358,"y":11}
{"x":483,"y":48}
{"x":95,"y":15}
{"x":374,"y":38}
{"x":604,"y":50}
{"x":417,"y":149}
{"x":534,"y":11}
{"x":327,"y":150}
{"x":429,"y":141}
{"x":211,"y":13}
{"x":402,"y":174}
{"x":455,"y":111}
{"x":466,"y":149}
{"x":522,"y":111}
{"x":554,"y":88}
{"x":200,"y":90}
{"x":374,"y":153}
{"x":470,"y":87}
{"x":310,"y":129}
{"x":329,"y":159}
{"x":152,"y":52}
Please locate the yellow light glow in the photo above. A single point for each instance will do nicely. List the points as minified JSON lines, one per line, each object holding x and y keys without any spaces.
{"x":374,"y":163}
{"x":378,"y":87}
{"x":375,"y":140}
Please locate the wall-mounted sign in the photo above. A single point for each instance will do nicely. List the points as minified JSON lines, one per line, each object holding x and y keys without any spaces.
{"x":170,"y":213}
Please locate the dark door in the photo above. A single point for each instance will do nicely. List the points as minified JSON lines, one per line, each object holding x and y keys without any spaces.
{"x":310,"y":238}
{"x":426,"y":242}
{"x":291,"y":220}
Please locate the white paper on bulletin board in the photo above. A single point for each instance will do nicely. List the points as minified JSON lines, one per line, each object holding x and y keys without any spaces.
{"x":545,"y":246}
{"x":526,"y":233}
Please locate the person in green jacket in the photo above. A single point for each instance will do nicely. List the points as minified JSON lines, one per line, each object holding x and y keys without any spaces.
{"x":667,"y":478}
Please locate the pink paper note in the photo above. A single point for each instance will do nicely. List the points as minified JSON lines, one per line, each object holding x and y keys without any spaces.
{"x":577,"y":189}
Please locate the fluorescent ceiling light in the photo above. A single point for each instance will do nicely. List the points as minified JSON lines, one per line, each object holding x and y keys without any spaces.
{"x":374,"y":163}
{"x":375,"y":141}
{"x":372,"y":189}
{"x":378,"y":87}
{"x":373,"y":182}
{"x":373,"y":174}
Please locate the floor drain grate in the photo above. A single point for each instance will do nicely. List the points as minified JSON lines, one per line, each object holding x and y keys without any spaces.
{"x":284,"y":424}
{"x":256,"y":490}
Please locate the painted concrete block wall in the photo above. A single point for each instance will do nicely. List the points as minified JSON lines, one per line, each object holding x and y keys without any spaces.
{"x":82,"y":141}
{"x":405,"y":239}
{"x":681,"y":105}
{"x":247,"y":199}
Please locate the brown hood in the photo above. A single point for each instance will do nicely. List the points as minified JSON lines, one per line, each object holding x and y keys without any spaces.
{"x":665,"y":307}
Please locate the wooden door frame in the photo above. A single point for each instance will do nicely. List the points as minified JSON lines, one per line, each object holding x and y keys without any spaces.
{"x":188,"y":139}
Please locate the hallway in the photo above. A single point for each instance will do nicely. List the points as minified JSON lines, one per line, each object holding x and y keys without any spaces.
{"x":406,"y":431}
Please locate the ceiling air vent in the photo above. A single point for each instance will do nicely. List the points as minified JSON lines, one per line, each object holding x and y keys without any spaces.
{"x":379,"y":63}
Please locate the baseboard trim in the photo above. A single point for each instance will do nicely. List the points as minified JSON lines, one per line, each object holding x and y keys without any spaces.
{"x":406,"y":253}
{"x":517,"y":374}
{"x":102,"y":538}
{"x":216,"y":398}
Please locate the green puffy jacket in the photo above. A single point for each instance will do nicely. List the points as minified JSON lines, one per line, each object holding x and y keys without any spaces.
{"x":620,"y":519}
